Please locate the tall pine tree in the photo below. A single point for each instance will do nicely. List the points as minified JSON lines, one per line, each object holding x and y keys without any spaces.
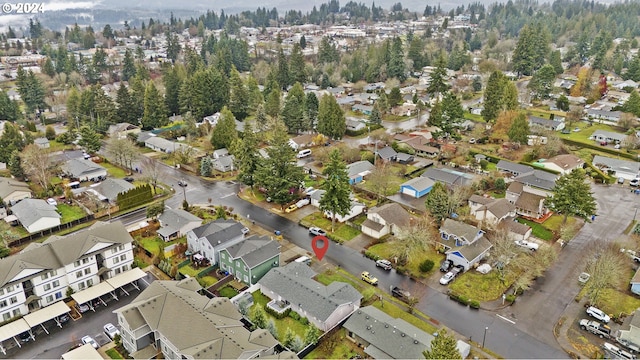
{"x":331,"y":120}
{"x":336,"y":200}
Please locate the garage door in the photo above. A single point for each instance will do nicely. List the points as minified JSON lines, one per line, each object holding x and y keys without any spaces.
{"x":409,"y":191}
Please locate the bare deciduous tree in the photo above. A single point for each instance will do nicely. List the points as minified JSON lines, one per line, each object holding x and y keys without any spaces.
{"x":151,"y":170}
{"x":606,"y":266}
{"x":413,"y":240}
{"x":380,"y":179}
{"x":35,"y":163}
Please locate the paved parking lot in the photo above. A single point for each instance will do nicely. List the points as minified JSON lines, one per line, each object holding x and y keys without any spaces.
{"x":60,"y":340}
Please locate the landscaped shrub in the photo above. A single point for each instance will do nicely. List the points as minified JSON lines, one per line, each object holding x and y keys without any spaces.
{"x":304,"y":321}
{"x":474,"y":304}
{"x":294,"y":315}
{"x":275,"y":314}
{"x":510,"y":298}
{"x":453,"y":296}
{"x":371,"y":255}
{"x":426,"y":265}
{"x":463,"y":300}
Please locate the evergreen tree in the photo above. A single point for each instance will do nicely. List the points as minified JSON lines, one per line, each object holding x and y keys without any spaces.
{"x":327,"y":53}
{"x":172,"y":84}
{"x":247,"y":156}
{"x":89,"y":139}
{"x":311,"y":109}
{"x":437,"y":79}
{"x":254,"y":94}
{"x":541,"y":83}
{"x":272,"y":105}
{"x":633,"y":104}
{"x":415,"y":53}
{"x":9,"y":109}
{"x":447,"y":115}
{"x":437,"y":202}
{"x":48,"y":68}
{"x":509,"y":96}
{"x":206,"y":166}
{"x":224,"y":133}
{"x":493,"y":95}
{"x":375,"y":117}
{"x":555,"y":60}
{"x":562,"y":103}
{"x":331,"y":121}
{"x":572,"y":195}
{"x":31,"y":90}
{"x":155,"y":112}
{"x":238,"y":96}
{"x":279,"y":173}
{"x":519,"y":129}
{"x":293,"y":111}
{"x":15,"y":165}
{"x":136,"y":92}
{"x":312,"y":335}
{"x":443,"y":346}
{"x":125,"y":104}
{"x":303,"y":42}
{"x":297,"y":69}
{"x":11,"y":140}
{"x":128,"y":66}
{"x":395,"y":97}
{"x":336,"y":200}
{"x":395,"y":67}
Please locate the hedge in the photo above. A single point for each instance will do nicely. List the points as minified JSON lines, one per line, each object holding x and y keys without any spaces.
{"x":134,"y":197}
{"x":600,"y":148}
{"x":474,"y":304}
{"x":368,"y":128}
{"x":276,"y":314}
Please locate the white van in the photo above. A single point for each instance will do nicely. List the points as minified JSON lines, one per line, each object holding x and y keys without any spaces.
{"x":303,"y":153}
{"x":304,"y":260}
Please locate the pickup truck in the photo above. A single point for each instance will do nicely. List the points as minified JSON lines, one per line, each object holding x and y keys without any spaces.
{"x":594,"y":327}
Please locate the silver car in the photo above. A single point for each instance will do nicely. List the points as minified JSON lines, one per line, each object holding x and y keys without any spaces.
{"x":111,"y":331}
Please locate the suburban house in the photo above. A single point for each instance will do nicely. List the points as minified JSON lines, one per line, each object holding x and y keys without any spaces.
{"x":421,"y":145}
{"x":362,"y":109}
{"x":625,"y":169}
{"x":445,"y":177}
{"x":358,"y":170}
{"x":211,"y":119}
{"x":563,"y":164}
{"x":635,"y":283}
{"x":157,"y":143}
{"x":35,"y":215}
{"x":404,"y":158}
{"x":110,"y":188}
{"x":301,"y":141}
{"x":250,"y":259}
{"x":325,"y":306}
{"x":464,"y":244}
{"x":385,"y":219}
{"x":607,"y":136}
{"x":541,"y":180}
{"x":385,"y":337}
{"x":223,"y":163}
{"x":172,"y":320}
{"x":516,"y":230}
{"x":12,"y":191}
{"x":42,"y":142}
{"x":491,"y":211}
{"x":210,"y":238}
{"x":630,"y":334}
{"x":83,"y":170}
{"x":121,"y":130}
{"x":513,"y":168}
{"x":613,"y":116}
{"x":527,"y":203}
{"x":176,"y":222}
{"x":355,"y":125}
{"x":547,"y":124}
{"x":84,"y":352}
{"x":417,"y":187}
{"x":387,"y":153}
{"x":40,"y":275}
{"x":355,"y":210}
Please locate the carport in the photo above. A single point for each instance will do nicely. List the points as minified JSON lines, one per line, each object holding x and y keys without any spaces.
{"x":94,"y":292}
{"x":127,"y":277}
{"x":11,"y":330}
{"x":43,"y":315}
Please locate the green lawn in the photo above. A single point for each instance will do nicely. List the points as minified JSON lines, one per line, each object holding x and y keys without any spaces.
{"x":208,"y":280}
{"x":396,"y":312}
{"x":70,"y":213}
{"x":586,"y":131}
{"x":281,"y":324}
{"x":473,"y":117}
{"x":328,"y":277}
{"x":114,"y":171}
{"x":385,"y":251}
{"x":341,"y":233}
{"x":480,"y":287}
{"x":336,"y":346}
{"x":56,"y":146}
{"x":554,"y":223}
{"x":228,"y":292}
{"x":113,"y":354}
{"x":188,"y":270}
{"x":538,"y":230}
{"x":393,"y":186}
{"x":154,"y":244}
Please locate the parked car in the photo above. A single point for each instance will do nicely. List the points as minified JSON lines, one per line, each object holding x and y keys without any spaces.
{"x":400,"y":293}
{"x":302,"y":202}
{"x":592,"y":326}
{"x":317,"y":231}
{"x":83,"y":308}
{"x":385,"y":264}
{"x":620,"y":180}
{"x":89,"y":340}
{"x":617,"y":146}
{"x":472,"y":141}
{"x":52,"y":201}
{"x":128,"y":179}
{"x":457,"y":270}
{"x":526,"y":244}
{"x":291,"y":208}
{"x":446,"y":265}
{"x":447,"y":278}
{"x":634,"y":182}
{"x":111,"y":330}
{"x":25,"y":337}
{"x":63,"y":319}
{"x":366,"y":277}
{"x":598,"y":314}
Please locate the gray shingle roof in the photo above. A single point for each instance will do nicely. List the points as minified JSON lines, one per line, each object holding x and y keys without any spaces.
{"x":420,"y":183}
{"x":538,"y":178}
{"x":392,"y":213}
{"x":500,"y":207}
{"x":543,"y":122}
{"x":58,"y":251}
{"x":79,"y":167}
{"x":387,"y":153}
{"x":110,"y":188}
{"x":177,"y":218}
{"x":28,"y":211}
{"x":504,"y":165}
{"x":8,"y":186}
{"x":254,"y":250}
{"x":444,"y":177}
{"x":617,"y":164}
{"x":294,"y":283}
{"x":359,"y":167}
{"x":459,"y":229}
{"x":388,"y":337}
{"x":219,"y":231}
{"x":472,"y":251}
{"x":198,"y":327}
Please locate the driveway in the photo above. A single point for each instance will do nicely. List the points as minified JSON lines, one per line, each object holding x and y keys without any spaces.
{"x":542,"y":306}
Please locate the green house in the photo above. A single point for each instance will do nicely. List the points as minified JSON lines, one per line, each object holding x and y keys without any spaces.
{"x":249,"y":260}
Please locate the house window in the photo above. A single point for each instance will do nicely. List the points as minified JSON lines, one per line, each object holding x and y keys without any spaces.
{"x":85,"y":260}
{"x":117,"y":271}
{"x":1,"y":291}
{"x":121,"y":247}
{"x":81,"y":285}
{"x":6,"y":316}
{"x":87,"y":271}
{"x":125,"y":268}
{"x":445,"y":236}
{"x":116,"y":260}
{"x":13,"y":300}
{"x":246,"y":279}
{"x":3,"y":303}
{"x":90,"y":282}
{"x":56,"y":283}
{"x":16,"y":312}
{"x":10,"y":289}
{"x":49,"y":298}
{"x":123,"y":257}
{"x":58,"y":295}
{"x":79,"y":274}
{"x":114,"y":250}
{"x":53,"y":273}
{"x":44,"y":276}
{"x":47,"y":287}
{"x":77,"y":263}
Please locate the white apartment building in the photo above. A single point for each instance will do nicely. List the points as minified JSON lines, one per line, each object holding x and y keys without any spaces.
{"x":42,"y":274}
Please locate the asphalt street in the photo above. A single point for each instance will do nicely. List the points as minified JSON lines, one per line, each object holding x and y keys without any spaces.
{"x":504,"y":336}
